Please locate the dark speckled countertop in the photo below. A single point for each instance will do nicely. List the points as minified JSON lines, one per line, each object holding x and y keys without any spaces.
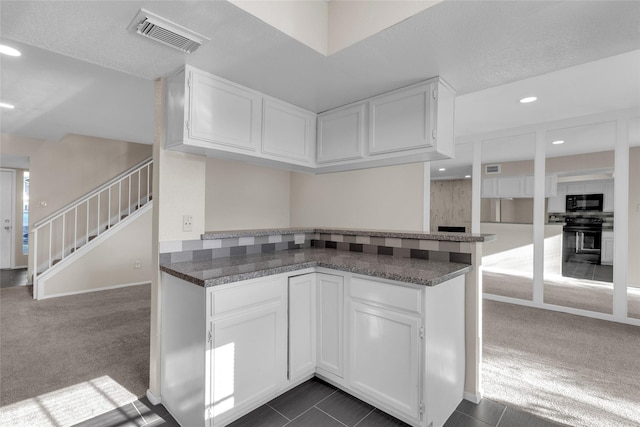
{"x":243,"y":267}
{"x":442,"y":236}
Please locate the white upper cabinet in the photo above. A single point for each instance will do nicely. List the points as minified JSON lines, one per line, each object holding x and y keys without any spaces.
{"x":223,"y":112}
{"x":288,"y":132}
{"x":211,"y":116}
{"x":341,"y":134}
{"x":517,"y":186}
{"x":608,"y":196}
{"x":401,"y":121}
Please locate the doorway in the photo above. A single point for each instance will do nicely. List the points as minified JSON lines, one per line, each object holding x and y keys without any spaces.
{"x":7,"y":216}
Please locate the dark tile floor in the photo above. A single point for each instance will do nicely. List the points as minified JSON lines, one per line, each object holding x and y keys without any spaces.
{"x":318,"y":404}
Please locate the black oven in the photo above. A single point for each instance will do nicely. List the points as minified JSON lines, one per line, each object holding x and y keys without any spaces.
{"x":582,"y":240}
{"x":584,"y":203}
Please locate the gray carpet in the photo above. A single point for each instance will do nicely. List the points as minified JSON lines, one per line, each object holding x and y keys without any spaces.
{"x":568,"y":293}
{"x":568,"y":369}
{"x":89,"y":344}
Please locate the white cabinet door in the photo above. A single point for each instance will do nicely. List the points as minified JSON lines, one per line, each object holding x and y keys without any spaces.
{"x":608,"y":196}
{"x":249,"y":352}
{"x":574,"y":188}
{"x":401,"y":120}
{"x":330,"y":321}
{"x":512,"y":186}
{"x":302,"y":326}
{"x":288,"y":132}
{"x":594,"y":187}
{"x":558,"y":203}
{"x":490,"y":187}
{"x":222,"y":112}
{"x":607,"y":248}
{"x":384,"y":356}
{"x":341,"y":134}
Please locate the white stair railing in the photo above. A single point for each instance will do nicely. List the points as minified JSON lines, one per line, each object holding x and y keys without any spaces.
{"x":67,"y":230}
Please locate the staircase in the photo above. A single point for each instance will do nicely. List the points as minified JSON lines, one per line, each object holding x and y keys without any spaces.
{"x":63,"y":235}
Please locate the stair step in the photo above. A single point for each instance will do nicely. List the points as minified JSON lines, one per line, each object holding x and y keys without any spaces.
{"x":92,"y":237}
{"x":123,"y":216}
{"x":55,"y":261}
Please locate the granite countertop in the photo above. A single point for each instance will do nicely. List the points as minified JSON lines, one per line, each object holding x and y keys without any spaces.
{"x":243,"y":267}
{"x":442,"y":236}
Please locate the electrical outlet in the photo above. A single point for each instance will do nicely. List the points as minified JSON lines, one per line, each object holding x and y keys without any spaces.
{"x":137,"y":264}
{"x":187,"y":223}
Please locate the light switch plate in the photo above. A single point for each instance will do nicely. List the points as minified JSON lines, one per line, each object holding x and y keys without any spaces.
{"x":187,"y":223}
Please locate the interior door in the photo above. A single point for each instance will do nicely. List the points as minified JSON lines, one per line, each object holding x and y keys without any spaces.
{"x":7,"y":212}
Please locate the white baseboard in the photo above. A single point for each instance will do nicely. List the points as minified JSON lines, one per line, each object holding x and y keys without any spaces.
{"x":155,"y":400}
{"x":472,"y":397}
{"x":84,"y":291}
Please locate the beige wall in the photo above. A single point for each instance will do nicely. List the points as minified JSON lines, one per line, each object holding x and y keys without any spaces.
{"x":517,"y":168}
{"x":110,"y":263}
{"x":451,"y":203}
{"x":634,"y":216}
{"x":603,"y":159}
{"x":243,"y":196}
{"x":388,"y":198}
{"x":181,"y":188}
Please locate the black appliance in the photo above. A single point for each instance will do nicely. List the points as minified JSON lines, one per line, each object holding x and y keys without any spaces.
{"x":451,"y":229}
{"x":582,"y":241}
{"x":585,"y":203}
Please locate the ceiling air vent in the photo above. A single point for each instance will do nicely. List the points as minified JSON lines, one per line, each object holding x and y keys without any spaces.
{"x":489,"y":169}
{"x":166,"y":32}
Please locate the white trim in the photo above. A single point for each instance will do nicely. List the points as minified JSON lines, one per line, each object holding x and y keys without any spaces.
{"x":472,"y":397}
{"x":426,"y":198}
{"x":12,"y":252}
{"x":621,"y":220}
{"x":562,"y":309}
{"x":539,"y":168}
{"x":476,"y":188}
{"x":17,"y":267}
{"x":84,"y":291}
{"x":155,"y":400}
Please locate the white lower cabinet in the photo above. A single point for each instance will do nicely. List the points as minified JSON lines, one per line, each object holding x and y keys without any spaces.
{"x":330,"y":326}
{"x":383,"y":360}
{"x":607,"y":248}
{"x":249,"y":354}
{"x":228,"y":349}
{"x":302,"y":327}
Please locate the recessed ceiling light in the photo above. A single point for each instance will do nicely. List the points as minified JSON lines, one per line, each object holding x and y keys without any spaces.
{"x":528,"y":99}
{"x":9,"y":50}
{"x":442,"y":169}
{"x":558,"y":142}
{"x":467,"y":176}
{"x":7,"y":106}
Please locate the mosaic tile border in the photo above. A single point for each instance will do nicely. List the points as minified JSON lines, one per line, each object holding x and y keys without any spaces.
{"x":202,"y":250}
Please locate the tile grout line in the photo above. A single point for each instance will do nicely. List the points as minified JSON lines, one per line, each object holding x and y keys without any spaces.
{"x":363,"y":418}
{"x":329,"y":415}
{"x":280,"y":413}
{"x":144,"y":420}
{"x":501,"y":415}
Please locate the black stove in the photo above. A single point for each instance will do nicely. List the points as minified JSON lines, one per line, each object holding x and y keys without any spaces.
{"x":582,"y":240}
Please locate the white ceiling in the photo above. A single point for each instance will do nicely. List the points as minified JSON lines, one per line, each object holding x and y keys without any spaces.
{"x":83,"y":72}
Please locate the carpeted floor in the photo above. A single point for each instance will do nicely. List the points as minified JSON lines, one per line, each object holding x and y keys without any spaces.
{"x":92,"y":346}
{"x":568,"y":369}
{"x":567,"y":292}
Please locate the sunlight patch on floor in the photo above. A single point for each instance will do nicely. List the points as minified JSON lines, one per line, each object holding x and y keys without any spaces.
{"x":67,"y":406}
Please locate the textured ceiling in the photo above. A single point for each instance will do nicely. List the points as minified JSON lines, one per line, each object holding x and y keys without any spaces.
{"x":473,"y":45}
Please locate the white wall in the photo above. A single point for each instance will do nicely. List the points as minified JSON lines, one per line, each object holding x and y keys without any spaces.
{"x":108,"y":264}
{"x":243,"y":196}
{"x":388,"y":198}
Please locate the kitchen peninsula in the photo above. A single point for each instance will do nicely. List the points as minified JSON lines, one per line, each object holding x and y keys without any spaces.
{"x":250,"y":314}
